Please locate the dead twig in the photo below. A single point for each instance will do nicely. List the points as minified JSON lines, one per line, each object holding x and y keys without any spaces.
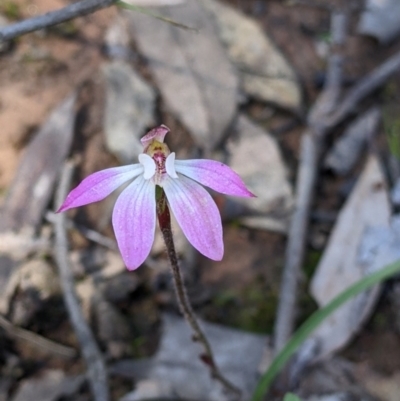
{"x":67,"y":13}
{"x":97,"y":372}
{"x":307,"y":174}
{"x":370,"y":83}
{"x":36,"y":339}
{"x":88,"y":233}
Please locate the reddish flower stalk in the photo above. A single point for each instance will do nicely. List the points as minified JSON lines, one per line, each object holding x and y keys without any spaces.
{"x":164,"y":221}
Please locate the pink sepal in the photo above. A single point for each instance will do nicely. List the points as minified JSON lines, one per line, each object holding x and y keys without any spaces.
{"x":97,"y":186}
{"x":197,"y":214}
{"x":215,"y":175}
{"x":134,"y":221}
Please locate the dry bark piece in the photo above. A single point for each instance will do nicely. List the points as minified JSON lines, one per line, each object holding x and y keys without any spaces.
{"x":263,"y":70}
{"x":340,"y":267}
{"x":130,"y":103}
{"x":347,"y":150}
{"x":196,"y":80}
{"x":256,"y":157}
{"x":32,"y":187}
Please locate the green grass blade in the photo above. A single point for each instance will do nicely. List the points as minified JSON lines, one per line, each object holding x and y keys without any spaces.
{"x":146,"y":11}
{"x":291,"y":397}
{"x":315,"y":320}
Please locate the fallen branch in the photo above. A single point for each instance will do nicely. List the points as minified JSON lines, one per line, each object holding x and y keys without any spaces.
{"x":51,"y":18}
{"x":370,"y":83}
{"x":36,"y":339}
{"x":97,"y":372}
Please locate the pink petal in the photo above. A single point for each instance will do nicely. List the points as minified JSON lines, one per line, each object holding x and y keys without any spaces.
{"x":197,"y":214}
{"x":215,"y":175}
{"x":134,"y":221}
{"x":97,"y":186}
{"x":157,"y":134}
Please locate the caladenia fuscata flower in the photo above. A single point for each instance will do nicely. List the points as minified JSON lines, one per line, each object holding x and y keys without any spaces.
{"x":158,"y":182}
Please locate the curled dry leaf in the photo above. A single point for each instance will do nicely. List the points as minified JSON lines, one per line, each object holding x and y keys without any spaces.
{"x":340,"y":267}
{"x":196,"y":80}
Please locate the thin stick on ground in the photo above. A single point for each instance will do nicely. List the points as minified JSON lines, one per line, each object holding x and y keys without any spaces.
{"x":97,"y":372}
{"x":365,"y":87}
{"x":207,"y":357}
{"x":67,"y":13}
{"x":308,"y":167}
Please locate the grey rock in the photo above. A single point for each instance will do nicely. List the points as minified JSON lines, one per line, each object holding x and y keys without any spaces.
{"x":264,"y":72}
{"x":197,"y":81}
{"x":256,"y":157}
{"x":176,"y":370}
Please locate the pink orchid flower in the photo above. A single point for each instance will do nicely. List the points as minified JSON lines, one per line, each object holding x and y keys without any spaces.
{"x":134,"y":215}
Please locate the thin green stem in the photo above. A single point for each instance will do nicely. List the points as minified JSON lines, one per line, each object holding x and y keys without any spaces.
{"x":207,"y":357}
{"x":314,"y":321}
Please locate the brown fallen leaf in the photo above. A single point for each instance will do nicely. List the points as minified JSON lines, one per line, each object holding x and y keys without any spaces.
{"x":32,"y":187}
